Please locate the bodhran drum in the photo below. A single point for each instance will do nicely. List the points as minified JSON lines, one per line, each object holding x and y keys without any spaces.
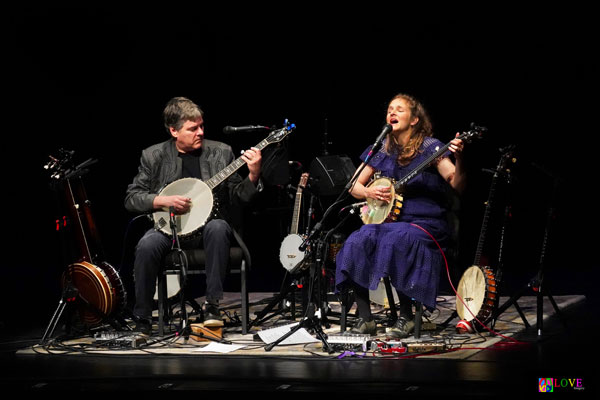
{"x":99,"y":288}
{"x":189,"y":223}
{"x":477,"y":288}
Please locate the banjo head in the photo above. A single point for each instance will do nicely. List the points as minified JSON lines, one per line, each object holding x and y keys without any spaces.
{"x":377,"y":211}
{"x":200,"y":210}
{"x":472,"y":290}
{"x":289,"y":254}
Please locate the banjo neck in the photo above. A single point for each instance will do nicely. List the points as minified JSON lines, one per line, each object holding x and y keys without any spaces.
{"x":68,"y":178}
{"x":229,"y":170}
{"x":476,"y":131}
{"x":491,"y":196}
{"x":422,"y":166}
{"x":297,"y":202}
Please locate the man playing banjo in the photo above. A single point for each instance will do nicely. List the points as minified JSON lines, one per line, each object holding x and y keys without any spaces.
{"x":187,"y":154}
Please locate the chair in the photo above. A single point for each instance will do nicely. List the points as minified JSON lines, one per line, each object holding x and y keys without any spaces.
{"x":239,"y":263}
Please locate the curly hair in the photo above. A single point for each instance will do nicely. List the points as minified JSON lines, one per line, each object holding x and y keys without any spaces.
{"x":421,"y":129}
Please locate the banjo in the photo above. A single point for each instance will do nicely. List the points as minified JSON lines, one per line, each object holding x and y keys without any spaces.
{"x":93,"y":282}
{"x":200,"y":192}
{"x":478,"y":286}
{"x":379,"y":211}
{"x":289,"y":253}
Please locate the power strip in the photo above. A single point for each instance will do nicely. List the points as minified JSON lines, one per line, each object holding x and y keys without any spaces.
{"x":119,"y":338}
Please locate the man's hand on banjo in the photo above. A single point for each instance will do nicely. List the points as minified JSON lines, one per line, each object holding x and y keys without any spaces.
{"x":253,"y":159}
{"x":181,"y":204}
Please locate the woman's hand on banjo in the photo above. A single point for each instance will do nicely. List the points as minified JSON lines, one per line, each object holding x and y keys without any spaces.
{"x":181,"y":204}
{"x":379,"y":193}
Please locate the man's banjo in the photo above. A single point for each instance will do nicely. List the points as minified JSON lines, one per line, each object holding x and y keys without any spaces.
{"x":200,"y":192}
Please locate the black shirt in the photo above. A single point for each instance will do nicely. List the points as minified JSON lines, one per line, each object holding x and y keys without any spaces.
{"x":190,"y":165}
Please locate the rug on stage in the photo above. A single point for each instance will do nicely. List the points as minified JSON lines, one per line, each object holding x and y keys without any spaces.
{"x":439,"y":337}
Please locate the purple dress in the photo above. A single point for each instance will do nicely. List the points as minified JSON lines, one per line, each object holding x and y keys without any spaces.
{"x":400,"y":250}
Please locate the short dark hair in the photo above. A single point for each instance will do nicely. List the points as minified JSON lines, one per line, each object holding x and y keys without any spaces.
{"x":178,"y":110}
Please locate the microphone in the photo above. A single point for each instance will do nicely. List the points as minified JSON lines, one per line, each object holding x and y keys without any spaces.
{"x":387,"y":128}
{"x":247,"y":128}
{"x":355,"y":206}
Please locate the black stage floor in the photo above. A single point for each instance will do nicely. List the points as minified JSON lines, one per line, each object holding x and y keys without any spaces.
{"x":561,"y":353}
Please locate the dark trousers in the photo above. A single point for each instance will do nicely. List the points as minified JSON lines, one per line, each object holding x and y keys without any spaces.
{"x":154,"y":246}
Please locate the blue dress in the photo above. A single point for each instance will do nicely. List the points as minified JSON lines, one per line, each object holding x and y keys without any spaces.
{"x":399,"y":250}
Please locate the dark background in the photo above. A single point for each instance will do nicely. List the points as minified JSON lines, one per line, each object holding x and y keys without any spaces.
{"x":95,"y":80}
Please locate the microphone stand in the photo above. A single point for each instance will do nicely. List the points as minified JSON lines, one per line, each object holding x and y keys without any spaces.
{"x":308,"y":322}
{"x":342,"y":196}
{"x":185,"y":328}
{"x":321,"y":248}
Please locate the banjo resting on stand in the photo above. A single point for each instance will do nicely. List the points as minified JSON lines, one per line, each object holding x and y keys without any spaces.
{"x":289,"y":253}
{"x":91,"y":283}
{"x":190,"y":223}
{"x":379,"y":211}
{"x":478,"y":287}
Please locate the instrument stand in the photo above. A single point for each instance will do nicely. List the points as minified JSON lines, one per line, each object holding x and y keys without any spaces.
{"x":537,"y":282}
{"x":283,"y":294}
{"x":70,"y":296}
{"x":310,"y":323}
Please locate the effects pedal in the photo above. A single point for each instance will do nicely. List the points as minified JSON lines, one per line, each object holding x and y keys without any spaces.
{"x":349,"y":341}
{"x":388,"y":347}
{"x":425,"y":347}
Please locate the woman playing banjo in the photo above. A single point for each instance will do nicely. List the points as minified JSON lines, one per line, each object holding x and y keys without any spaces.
{"x":402,"y":250}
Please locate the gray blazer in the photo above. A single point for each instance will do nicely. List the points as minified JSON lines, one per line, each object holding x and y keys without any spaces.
{"x":160,"y":165}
